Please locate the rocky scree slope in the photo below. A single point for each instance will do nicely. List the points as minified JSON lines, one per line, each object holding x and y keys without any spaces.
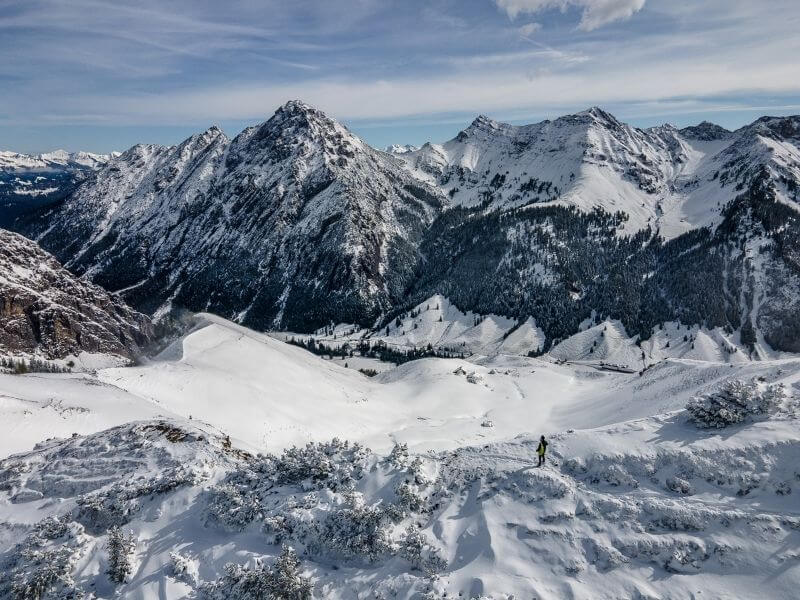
{"x":47,"y":311}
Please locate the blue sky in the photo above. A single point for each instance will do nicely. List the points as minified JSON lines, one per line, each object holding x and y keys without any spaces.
{"x":101,"y":76}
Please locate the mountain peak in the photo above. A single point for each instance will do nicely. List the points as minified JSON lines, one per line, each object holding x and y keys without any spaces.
{"x":597,"y":114}
{"x":705,"y":131}
{"x":483,"y":122}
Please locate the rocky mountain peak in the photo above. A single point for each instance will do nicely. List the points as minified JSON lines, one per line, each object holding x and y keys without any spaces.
{"x":705,"y":131}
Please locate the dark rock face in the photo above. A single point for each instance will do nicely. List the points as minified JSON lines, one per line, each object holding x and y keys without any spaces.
{"x":45,"y":309}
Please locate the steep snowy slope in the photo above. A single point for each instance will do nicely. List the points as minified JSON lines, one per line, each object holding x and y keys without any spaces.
{"x":48,"y":312}
{"x":294,"y":222}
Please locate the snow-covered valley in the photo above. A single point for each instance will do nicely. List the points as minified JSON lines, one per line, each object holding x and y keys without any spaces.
{"x":435,"y":494}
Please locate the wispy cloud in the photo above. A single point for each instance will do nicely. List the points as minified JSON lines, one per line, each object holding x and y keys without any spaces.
{"x":188,"y":63}
{"x":595,"y":13}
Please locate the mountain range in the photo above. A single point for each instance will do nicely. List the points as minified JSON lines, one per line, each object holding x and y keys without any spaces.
{"x":29,"y":181}
{"x":297,"y":223}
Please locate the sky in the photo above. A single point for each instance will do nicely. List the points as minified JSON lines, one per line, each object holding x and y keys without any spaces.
{"x":102,"y":75}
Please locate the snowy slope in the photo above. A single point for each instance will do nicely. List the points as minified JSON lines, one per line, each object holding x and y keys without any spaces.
{"x":634,"y":501}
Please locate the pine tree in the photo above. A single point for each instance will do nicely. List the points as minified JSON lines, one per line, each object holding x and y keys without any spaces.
{"x":120,"y":550}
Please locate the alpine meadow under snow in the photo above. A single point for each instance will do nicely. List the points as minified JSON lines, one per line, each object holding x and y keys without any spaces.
{"x":289,"y":365}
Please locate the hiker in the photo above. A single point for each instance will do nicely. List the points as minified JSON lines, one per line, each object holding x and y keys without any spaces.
{"x":541,"y":450}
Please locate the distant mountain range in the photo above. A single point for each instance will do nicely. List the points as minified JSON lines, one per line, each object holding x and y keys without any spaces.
{"x":297,"y":223}
{"x":29,"y":181}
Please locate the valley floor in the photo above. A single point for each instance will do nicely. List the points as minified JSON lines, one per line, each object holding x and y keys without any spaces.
{"x":635,"y":502}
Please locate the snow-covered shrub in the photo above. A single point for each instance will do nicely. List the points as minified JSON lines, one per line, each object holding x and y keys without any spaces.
{"x":116,"y":505}
{"x":734,"y":402}
{"x":240,"y":498}
{"x":282,"y":581}
{"x":678,"y":485}
{"x":357,"y":530}
{"x":120,"y":555}
{"x":231,"y":507}
{"x":398,"y":457}
{"x":408,"y":497}
{"x":331,"y":464}
{"x":41,"y":566}
{"x":416,"y":550}
{"x":182,"y":567}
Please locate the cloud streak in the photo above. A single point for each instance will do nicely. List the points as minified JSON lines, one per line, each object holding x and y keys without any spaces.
{"x":193,"y":62}
{"x":595,"y":13}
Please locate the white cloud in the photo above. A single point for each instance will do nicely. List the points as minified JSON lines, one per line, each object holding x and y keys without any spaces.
{"x":596,"y":13}
{"x":529,"y":29}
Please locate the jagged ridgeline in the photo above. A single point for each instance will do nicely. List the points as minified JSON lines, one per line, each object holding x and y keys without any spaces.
{"x":564,"y":266}
{"x":297,"y":223}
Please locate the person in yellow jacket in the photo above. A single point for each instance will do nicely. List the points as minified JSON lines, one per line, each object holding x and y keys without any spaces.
{"x":541,"y":450}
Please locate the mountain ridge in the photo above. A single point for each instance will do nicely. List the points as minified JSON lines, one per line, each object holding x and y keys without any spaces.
{"x":296,"y":223}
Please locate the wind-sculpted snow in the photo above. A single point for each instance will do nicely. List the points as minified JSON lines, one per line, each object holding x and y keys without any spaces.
{"x":647,"y":508}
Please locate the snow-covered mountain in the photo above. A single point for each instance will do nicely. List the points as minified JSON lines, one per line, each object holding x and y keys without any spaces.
{"x":57,"y":160}
{"x":47,"y":312}
{"x":667,"y":179}
{"x":297,"y":223}
{"x":30,"y":181}
{"x":290,"y":222}
{"x":401,"y":148}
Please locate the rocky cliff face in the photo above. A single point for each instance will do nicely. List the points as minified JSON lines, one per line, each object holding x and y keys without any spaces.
{"x":45,"y":310}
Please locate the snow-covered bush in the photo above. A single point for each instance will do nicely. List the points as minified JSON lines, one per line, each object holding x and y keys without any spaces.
{"x":117,"y":505}
{"x":416,"y":550}
{"x":398,"y":457}
{"x":734,"y":402}
{"x":41,"y":566}
{"x":331,"y":464}
{"x":182,"y":567}
{"x":231,"y":507}
{"x":357,"y":530}
{"x":240,"y":498}
{"x":120,"y":555}
{"x":282,"y":581}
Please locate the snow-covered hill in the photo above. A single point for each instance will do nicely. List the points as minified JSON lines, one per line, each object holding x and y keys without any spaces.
{"x":47,"y":312}
{"x":634,"y":501}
